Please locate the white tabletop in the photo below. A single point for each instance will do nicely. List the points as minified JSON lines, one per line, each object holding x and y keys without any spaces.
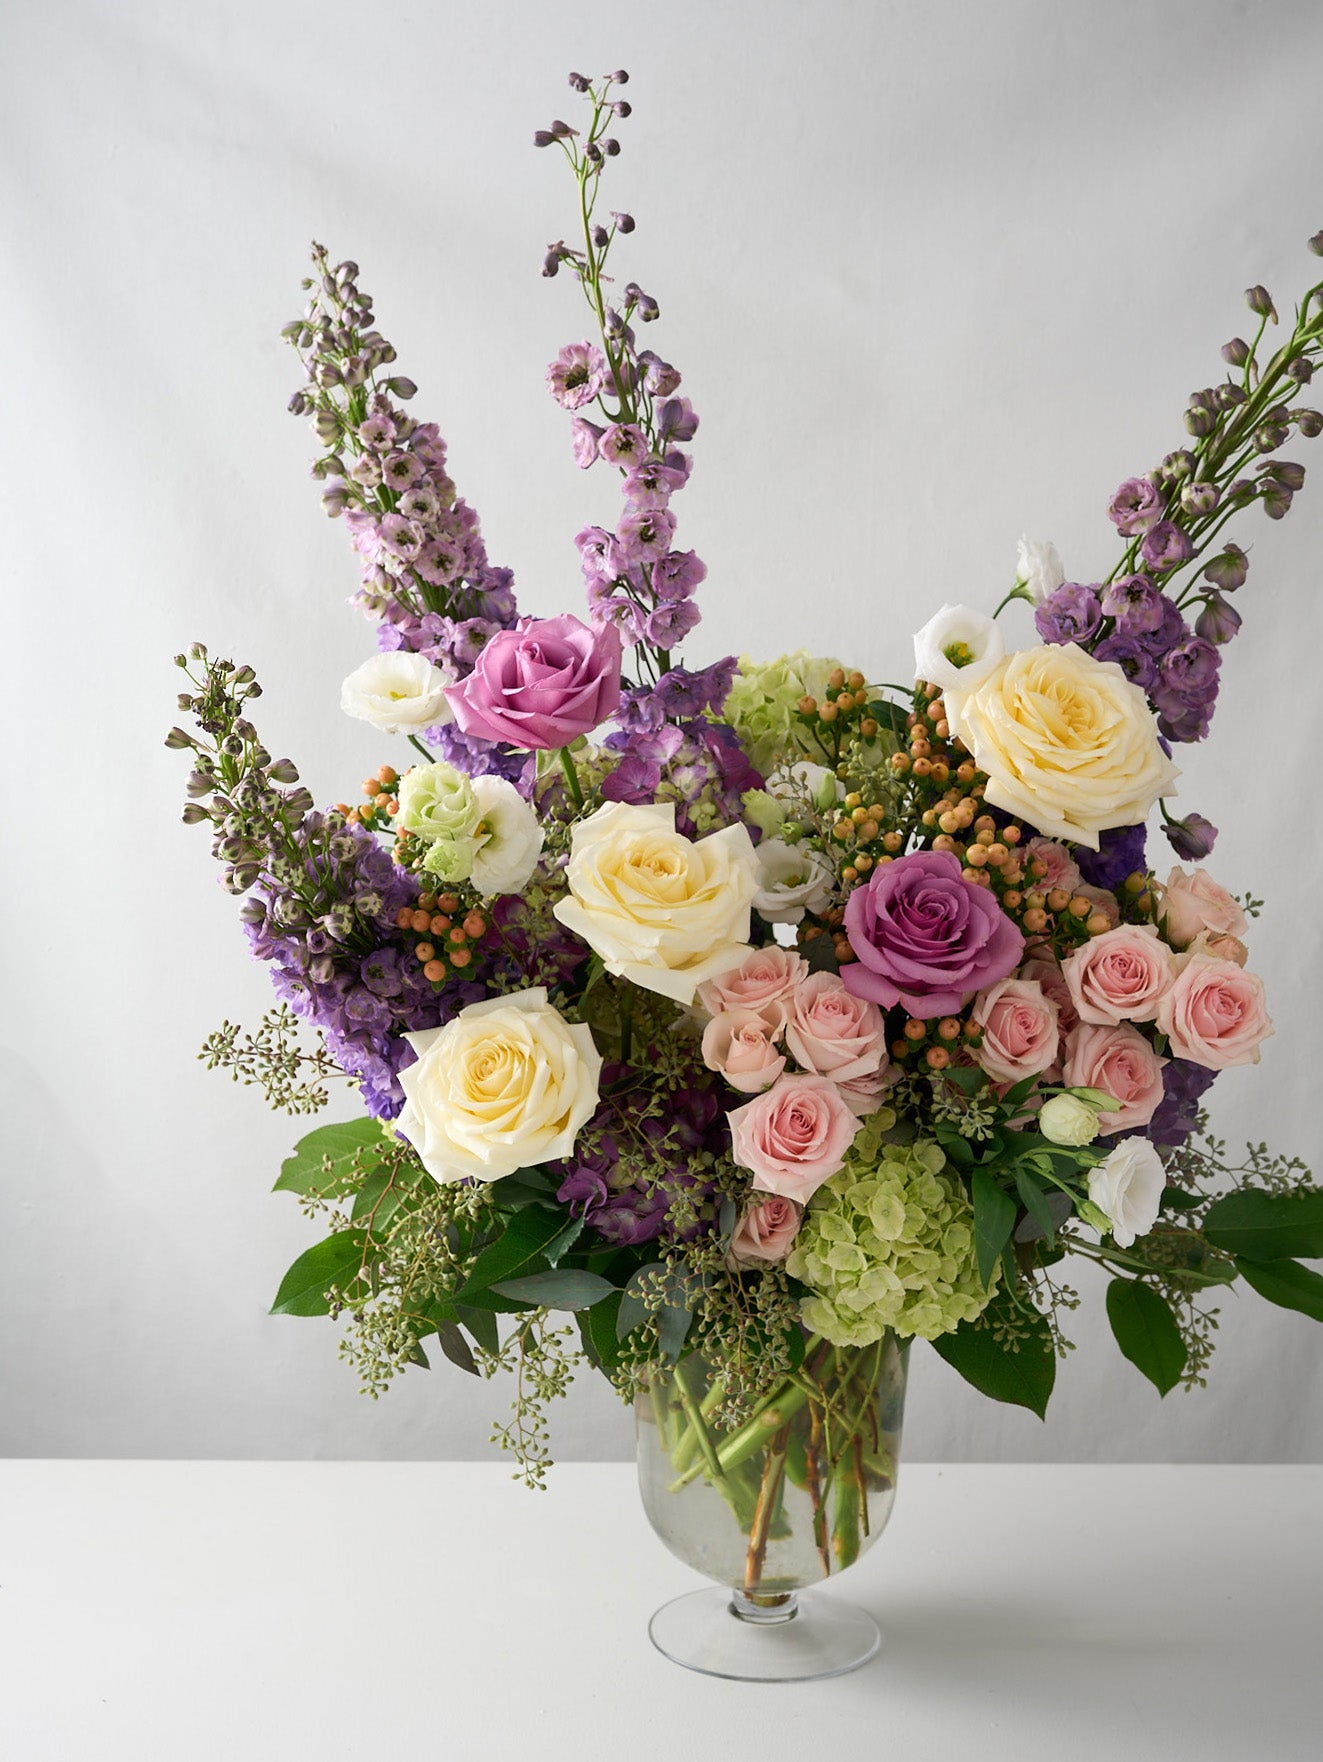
{"x":267,"y":1612}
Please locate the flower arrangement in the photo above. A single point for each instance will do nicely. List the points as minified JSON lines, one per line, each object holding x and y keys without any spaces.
{"x":755,"y":1013}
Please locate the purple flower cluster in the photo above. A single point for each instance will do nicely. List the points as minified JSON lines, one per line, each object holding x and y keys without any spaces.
{"x":671,"y":751}
{"x":1183,"y":1084}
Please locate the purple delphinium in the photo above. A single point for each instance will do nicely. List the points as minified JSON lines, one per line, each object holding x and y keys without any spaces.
{"x":577,"y":375}
{"x":1183,"y":1084}
{"x":1071,"y":614}
{"x":1135,"y":506}
{"x":1131,"y":657}
{"x":1192,"y":838}
{"x":1164,"y":547}
{"x":1135,"y":603}
{"x":1120,"y":853}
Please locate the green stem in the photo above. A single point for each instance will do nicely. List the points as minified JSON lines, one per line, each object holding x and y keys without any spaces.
{"x":571,"y":776}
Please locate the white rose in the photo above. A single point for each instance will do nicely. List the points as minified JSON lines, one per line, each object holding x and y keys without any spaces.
{"x":1039,"y":567}
{"x":956,"y":650}
{"x":659,"y":909}
{"x":1127,"y":1187}
{"x":397,"y":693}
{"x":792,"y":880}
{"x":504,"y":1085}
{"x":509,"y":838}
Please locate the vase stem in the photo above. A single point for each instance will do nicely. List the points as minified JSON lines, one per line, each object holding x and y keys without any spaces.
{"x":765,"y":1611}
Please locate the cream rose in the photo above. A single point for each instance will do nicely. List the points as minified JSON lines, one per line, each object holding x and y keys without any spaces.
{"x":504,"y":1085}
{"x":659,"y":909}
{"x":397,"y":692}
{"x":1068,"y":743}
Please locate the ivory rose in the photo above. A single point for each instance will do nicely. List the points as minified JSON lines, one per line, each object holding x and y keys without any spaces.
{"x":741,"y":1045}
{"x":660,"y":909}
{"x":1120,"y":976}
{"x":1192,"y":902}
{"x":765,"y":976}
{"x":1119,"y":1062}
{"x":1068,"y":743}
{"x":1127,"y":1188}
{"x":793,"y":1136}
{"x":504,"y":1085}
{"x":765,"y":1231}
{"x":1020,"y":1034}
{"x":1215,"y":1014}
{"x":1065,"y":1119}
{"x":397,"y":692}
{"x":834,"y":1034}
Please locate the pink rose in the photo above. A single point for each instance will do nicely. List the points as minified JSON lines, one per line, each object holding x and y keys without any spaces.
{"x":1101,"y":901}
{"x":767,"y":976}
{"x":793,"y":1136}
{"x":1045,"y":969}
{"x":1222,"y":948}
{"x":1020,"y":1034}
{"x":741,"y":1045}
{"x":834,"y":1034}
{"x":1122,"y":975}
{"x":1215,"y":1014}
{"x":1060,"y":868}
{"x":1195,"y":902}
{"x":863,"y":1095}
{"x":1121,"y":1063}
{"x":541,"y":685}
{"x":765,"y":1231}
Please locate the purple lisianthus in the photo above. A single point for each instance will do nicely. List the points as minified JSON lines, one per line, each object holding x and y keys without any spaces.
{"x":1135,"y":603}
{"x":1135,"y":507}
{"x":924,"y":938}
{"x":541,"y":685}
{"x":1165,"y":546}
{"x":577,"y":375}
{"x":1070,"y":614}
{"x":1131,"y":657}
{"x":1191,"y":838}
{"x":1120,"y":853}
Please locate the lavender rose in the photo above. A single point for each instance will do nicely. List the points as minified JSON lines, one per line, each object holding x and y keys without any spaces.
{"x":925,"y":938}
{"x":542,"y":685}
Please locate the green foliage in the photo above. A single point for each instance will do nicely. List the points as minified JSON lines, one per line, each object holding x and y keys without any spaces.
{"x":597,"y":1330}
{"x":520,"y":1248}
{"x":994,"y":1219}
{"x":1007,"y":1354}
{"x":333,"y":1264}
{"x":1267,"y":1226}
{"x":565,"y":1287}
{"x":1147,"y":1332}
{"x":326,"y":1162}
{"x":1286,"y":1283}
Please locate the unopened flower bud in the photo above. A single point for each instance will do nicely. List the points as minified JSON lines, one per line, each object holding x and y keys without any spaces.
{"x":1177,"y":466}
{"x":1228,"y":571}
{"x":1191,"y":838}
{"x":619,"y":77}
{"x":578,"y":82}
{"x":622,"y":109}
{"x":327,"y":428}
{"x":1230,"y":396}
{"x":1290,"y":476}
{"x":194,"y":813}
{"x":402,"y":387}
{"x":551,"y":262}
{"x":601,"y":237}
{"x":611,"y":147}
{"x":624,"y":222}
{"x":1259,"y":301}
{"x":1301,"y":370}
{"x":1316,"y":244}
{"x":283,"y":771}
{"x":1066,"y":1119}
{"x":593,"y":153}
{"x":1199,"y":421}
{"x":1219,"y":621}
{"x":177,"y":739}
{"x":1236,"y":353}
{"x":1309,"y":422}
{"x":1269,"y":436}
{"x":1199,"y":498}
{"x":543,"y":137}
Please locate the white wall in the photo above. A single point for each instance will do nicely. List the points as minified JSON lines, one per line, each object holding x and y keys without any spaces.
{"x":935,"y":274}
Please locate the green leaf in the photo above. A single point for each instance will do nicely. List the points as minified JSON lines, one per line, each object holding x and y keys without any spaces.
{"x":1034,"y":1200}
{"x":1286,"y":1283}
{"x":994,"y":1219}
{"x":557,"y":1249}
{"x":523,"y":1242}
{"x":456,"y":1347}
{"x":967,"y":1077}
{"x":1177,"y":1199}
{"x":336,"y":1261}
{"x":890,"y":716}
{"x":563,"y":1287}
{"x":956,"y":1146}
{"x":1268,"y":1226}
{"x":1024,"y":1377}
{"x":303,"y":1172}
{"x":482,"y":1324}
{"x":633,"y":1311}
{"x":523,"y":1187}
{"x":597,"y":1329}
{"x":672,"y":1326}
{"x":1146,"y":1332}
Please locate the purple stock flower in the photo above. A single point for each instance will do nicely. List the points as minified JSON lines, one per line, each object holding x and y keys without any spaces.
{"x":1191,"y":838}
{"x":577,"y":375}
{"x":1120,"y":853}
{"x":1071,"y":614}
{"x":1165,"y":546}
{"x":1135,"y":507}
{"x":1131,"y":657}
{"x":1135,"y":603}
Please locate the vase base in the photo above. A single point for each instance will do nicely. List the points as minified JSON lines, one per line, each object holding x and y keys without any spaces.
{"x":819,"y":1636}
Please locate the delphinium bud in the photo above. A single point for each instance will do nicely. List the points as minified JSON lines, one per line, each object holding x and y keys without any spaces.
{"x":1290,"y":476}
{"x":1259,"y":301}
{"x":1229,"y":396}
{"x":1199,"y":498}
{"x":1219,"y":621}
{"x":1200,"y":421}
{"x":624,"y":222}
{"x":1301,"y":370}
{"x":1309,"y":422}
{"x":622,"y":108}
{"x":1316,"y":244}
{"x":1269,"y":436}
{"x":578,"y":82}
{"x":1177,"y":466}
{"x":611,"y":147}
{"x":601,"y":237}
{"x":593,"y":153}
{"x":1228,"y":571}
{"x":618,"y":78}
{"x":1191,"y":838}
{"x":1236,"y":353}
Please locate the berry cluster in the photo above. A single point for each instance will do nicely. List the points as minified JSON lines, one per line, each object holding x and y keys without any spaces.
{"x":381,"y":806}
{"x":443,"y":946}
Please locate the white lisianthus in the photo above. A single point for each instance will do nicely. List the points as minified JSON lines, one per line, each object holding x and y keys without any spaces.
{"x":1065,"y":1119}
{"x":509,"y":838}
{"x":956,"y":650}
{"x":1127,"y":1187}
{"x":397,"y":692}
{"x":792,"y":879}
{"x":1038,"y":566}
{"x":660,"y":909}
{"x":506,"y":1084}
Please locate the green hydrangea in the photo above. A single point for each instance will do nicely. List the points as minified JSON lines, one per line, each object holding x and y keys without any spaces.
{"x":888,"y":1242}
{"x":764,"y":701}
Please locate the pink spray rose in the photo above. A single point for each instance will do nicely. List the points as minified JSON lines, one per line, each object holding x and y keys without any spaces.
{"x":767,"y":976}
{"x":1121,"y":1063}
{"x":541,"y":685}
{"x":834,"y":1034}
{"x":1120,"y":976}
{"x":924,"y":938}
{"x":1215,"y":1014}
{"x":863,"y":1095}
{"x":1059,"y":868}
{"x":1046,"y":970}
{"x":765,"y":1231}
{"x":793,"y":1136}
{"x":1194,"y":902}
{"x":1222,"y":948}
{"x":1020,"y":1035}
{"x":741,"y":1044}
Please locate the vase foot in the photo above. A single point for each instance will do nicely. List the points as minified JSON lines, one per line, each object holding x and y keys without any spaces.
{"x":816,"y":1636}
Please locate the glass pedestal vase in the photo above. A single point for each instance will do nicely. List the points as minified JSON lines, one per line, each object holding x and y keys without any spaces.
{"x":791,"y":1497}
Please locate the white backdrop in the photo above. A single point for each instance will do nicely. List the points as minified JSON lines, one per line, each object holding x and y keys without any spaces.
{"x":934,"y":273}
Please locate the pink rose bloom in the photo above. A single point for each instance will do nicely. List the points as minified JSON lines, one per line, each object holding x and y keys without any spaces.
{"x":740,"y":1045}
{"x":1222,"y":948}
{"x":1045,"y":970}
{"x":834,"y":1034}
{"x":793,"y":1136}
{"x":1215,"y":1014}
{"x":863,"y":1095}
{"x":767,"y":976}
{"x":1121,"y":1063}
{"x":541,"y":685}
{"x":1061,"y":868}
{"x":765,"y":1231}
{"x":1195,"y":902}
{"x":1122,"y":975}
{"x":1020,"y":1034}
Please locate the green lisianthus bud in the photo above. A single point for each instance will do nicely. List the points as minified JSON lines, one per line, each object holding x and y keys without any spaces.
{"x":1065,"y":1119}
{"x":764,"y":811}
{"x":437,"y":801}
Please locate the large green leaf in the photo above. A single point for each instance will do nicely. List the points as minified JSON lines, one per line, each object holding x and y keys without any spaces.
{"x":1146,"y":1332}
{"x":520,"y":1246}
{"x":1023,"y":1377}
{"x":336,"y":1261}
{"x":483,"y":1326}
{"x":322,"y":1160}
{"x":1286,"y":1283}
{"x":994,"y":1219}
{"x":597,"y":1328}
{"x":1268,"y":1226}
{"x":560,"y":1287}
